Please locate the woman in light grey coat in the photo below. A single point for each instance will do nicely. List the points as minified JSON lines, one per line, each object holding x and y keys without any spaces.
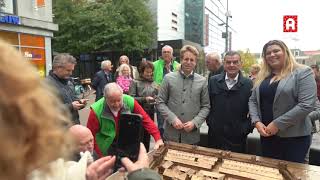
{"x":284,"y":94}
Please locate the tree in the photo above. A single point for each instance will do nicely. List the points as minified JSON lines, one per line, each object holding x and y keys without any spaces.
{"x":248,"y":60}
{"x":120,"y":25}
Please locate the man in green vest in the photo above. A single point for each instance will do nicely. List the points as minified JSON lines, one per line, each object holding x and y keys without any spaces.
{"x":163,"y":66}
{"x":104,"y":117}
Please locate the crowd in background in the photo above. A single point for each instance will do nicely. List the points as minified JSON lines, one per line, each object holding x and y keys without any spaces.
{"x":279,"y":99}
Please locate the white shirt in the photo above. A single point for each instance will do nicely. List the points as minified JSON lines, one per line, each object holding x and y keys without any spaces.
{"x":231,"y":82}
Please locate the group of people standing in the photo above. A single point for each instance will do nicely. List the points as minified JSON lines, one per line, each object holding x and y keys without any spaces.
{"x":276,"y":101}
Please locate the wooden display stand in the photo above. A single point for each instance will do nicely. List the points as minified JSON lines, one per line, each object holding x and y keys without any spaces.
{"x":187,"y":162}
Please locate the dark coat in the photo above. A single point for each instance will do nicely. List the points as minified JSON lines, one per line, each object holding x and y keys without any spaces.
{"x":213,"y":73}
{"x":99,"y":81}
{"x":66,"y":92}
{"x":229,"y":108}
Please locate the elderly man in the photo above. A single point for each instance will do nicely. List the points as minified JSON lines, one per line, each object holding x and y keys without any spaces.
{"x":84,"y":140}
{"x":164,"y":65}
{"x":133,"y":70}
{"x":214,"y":64}
{"x":183,"y":100}
{"x":102,"y":77}
{"x":62,"y":68}
{"x":229,"y":94}
{"x":104,"y":117}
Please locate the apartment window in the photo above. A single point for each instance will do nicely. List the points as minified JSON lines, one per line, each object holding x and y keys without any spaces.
{"x":296,"y":53}
{"x":174,"y":28}
{"x":174,"y":14}
{"x":7,"y":6}
{"x":174,"y":21}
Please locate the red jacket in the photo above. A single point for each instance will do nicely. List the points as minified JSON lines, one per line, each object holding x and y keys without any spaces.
{"x":148,"y":124}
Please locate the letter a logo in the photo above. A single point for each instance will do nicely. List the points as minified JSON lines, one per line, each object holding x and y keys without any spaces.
{"x":290,"y":23}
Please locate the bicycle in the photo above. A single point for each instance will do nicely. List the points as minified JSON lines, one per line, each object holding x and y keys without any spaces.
{"x":82,"y":87}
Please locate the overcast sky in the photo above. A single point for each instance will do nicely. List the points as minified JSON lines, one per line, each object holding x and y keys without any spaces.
{"x":258,"y":21}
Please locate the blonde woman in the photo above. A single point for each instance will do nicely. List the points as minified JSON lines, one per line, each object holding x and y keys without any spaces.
{"x":124,"y":79}
{"x":254,"y":70}
{"x":283,"y":95}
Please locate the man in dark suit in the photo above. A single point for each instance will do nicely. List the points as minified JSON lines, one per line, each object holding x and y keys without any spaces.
{"x":102,"y":77}
{"x":229,"y":94}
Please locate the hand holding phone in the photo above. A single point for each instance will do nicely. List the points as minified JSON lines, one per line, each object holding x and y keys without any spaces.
{"x":129,"y":138}
{"x":142,"y":162}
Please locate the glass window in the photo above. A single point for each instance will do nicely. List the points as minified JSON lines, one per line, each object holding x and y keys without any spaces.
{"x":7,"y":6}
{"x":32,"y":40}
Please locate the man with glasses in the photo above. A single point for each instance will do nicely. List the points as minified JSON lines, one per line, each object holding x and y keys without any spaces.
{"x":229,"y":94}
{"x":165,"y":64}
{"x":62,"y":67}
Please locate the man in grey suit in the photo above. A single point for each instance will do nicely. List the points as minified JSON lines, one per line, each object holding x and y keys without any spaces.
{"x":183,"y":100}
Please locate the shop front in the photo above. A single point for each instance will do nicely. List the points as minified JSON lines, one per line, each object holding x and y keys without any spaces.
{"x":32,"y":48}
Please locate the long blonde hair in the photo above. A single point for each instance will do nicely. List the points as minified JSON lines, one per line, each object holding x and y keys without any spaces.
{"x":289,"y":66}
{"x":32,"y":122}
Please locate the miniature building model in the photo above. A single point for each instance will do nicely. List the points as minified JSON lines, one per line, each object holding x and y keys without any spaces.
{"x":187,"y":162}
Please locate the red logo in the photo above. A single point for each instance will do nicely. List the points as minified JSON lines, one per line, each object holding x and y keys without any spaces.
{"x":290,"y":23}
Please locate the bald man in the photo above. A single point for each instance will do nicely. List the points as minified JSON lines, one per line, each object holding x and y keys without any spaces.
{"x":84,"y":139}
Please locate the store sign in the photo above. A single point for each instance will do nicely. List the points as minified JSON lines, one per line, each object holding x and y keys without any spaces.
{"x":290,"y":23}
{"x":32,"y":55}
{"x":10,"y":19}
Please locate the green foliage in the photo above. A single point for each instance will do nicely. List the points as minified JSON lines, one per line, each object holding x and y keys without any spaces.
{"x":248,"y":60}
{"x":121,"y":25}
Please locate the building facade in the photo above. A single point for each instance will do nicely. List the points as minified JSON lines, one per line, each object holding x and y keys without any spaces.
{"x":215,"y":26}
{"x":202,"y":22}
{"x":28,"y":26}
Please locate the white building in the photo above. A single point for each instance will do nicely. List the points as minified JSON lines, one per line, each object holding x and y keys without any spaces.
{"x":201,"y":22}
{"x":215,"y":19}
{"x":28,"y":25}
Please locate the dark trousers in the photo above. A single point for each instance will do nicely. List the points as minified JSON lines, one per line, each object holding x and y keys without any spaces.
{"x":220,"y":141}
{"x":160,"y":122}
{"x":289,"y":149}
{"x":146,"y":135}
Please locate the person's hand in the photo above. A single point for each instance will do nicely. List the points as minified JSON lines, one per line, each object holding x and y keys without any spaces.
{"x":83,"y":101}
{"x":188,"y":126}
{"x":77,"y":105}
{"x":261,"y":129}
{"x":158,"y":144}
{"x":101,"y":168}
{"x":177,"y":124}
{"x":142,"y":162}
{"x":150,"y":99}
{"x":272,"y":129}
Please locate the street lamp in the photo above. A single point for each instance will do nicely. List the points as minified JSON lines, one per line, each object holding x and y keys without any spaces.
{"x":228,"y":14}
